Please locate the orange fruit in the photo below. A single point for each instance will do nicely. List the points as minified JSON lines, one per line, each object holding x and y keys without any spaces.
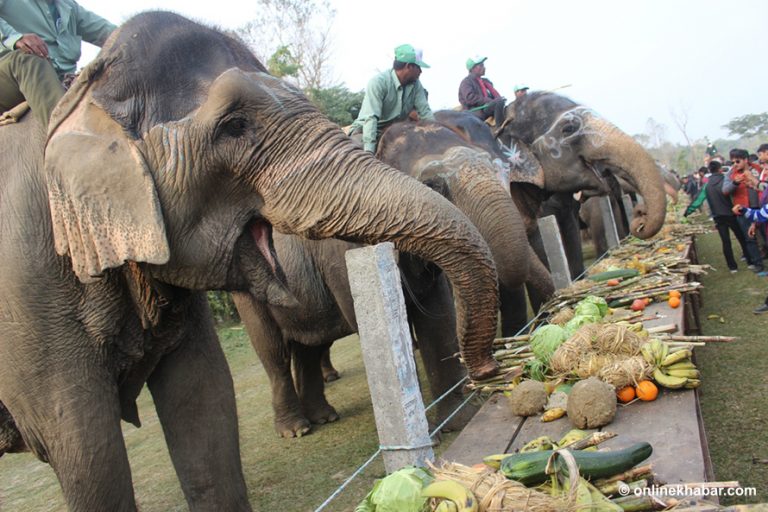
{"x":675,"y":293}
{"x":646,"y":391}
{"x":612,"y":282}
{"x":674,"y":302}
{"x":626,"y":394}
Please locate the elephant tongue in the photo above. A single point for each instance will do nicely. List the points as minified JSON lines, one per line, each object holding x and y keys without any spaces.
{"x":262,"y":234}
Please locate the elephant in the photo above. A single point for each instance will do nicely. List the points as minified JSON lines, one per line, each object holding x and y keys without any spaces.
{"x":558,"y":147}
{"x":316,"y":276}
{"x":149,"y":191}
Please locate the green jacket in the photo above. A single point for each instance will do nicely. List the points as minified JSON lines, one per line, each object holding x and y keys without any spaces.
{"x":698,"y":201}
{"x":75,"y":24}
{"x":385,"y":102}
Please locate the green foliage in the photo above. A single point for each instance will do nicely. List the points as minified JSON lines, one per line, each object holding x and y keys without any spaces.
{"x":338,"y":103}
{"x":283,"y":63}
{"x":748,"y":125}
{"x":222,"y":307}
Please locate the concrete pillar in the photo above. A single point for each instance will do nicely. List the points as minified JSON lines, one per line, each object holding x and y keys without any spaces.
{"x":611,"y":235}
{"x":628,"y":207}
{"x":553,"y":246}
{"x":374,"y":279}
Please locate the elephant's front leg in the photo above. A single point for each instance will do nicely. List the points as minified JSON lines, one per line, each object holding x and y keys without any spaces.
{"x":195,"y":400}
{"x":434,"y":323}
{"x":310,"y":383}
{"x":275,"y":356}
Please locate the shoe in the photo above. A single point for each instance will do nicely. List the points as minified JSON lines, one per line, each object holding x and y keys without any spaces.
{"x":755,"y":268}
{"x":734,"y":270}
{"x":760,"y":310}
{"x":743,"y":258}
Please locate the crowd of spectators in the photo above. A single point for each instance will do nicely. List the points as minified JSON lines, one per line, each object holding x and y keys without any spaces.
{"x":735,"y":192}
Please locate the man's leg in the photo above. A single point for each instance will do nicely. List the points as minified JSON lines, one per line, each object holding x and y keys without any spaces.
{"x":725,"y":238}
{"x":753,"y":253}
{"x":24,"y":76}
{"x":733,"y":224}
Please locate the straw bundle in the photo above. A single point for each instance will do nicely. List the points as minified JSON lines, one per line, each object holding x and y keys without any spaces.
{"x":496,"y":493}
{"x":617,"y":339}
{"x":625,"y":372}
{"x":562,"y":317}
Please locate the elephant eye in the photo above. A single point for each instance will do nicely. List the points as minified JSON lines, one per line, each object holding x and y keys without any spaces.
{"x":234,"y":127}
{"x":569,"y":129}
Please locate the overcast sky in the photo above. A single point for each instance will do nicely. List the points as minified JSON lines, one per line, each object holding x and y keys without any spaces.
{"x":628,"y":60}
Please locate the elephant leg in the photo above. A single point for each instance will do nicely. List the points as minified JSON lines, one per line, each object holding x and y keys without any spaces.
{"x":330,"y":373}
{"x":310,"y":384}
{"x":514,"y":310}
{"x":571,"y":234}
{"x":275,"y":356}
{"x":539,"y":283}
{"x":70,"y":418}
{"x":195,"y":400}
{"x":434,"y":323}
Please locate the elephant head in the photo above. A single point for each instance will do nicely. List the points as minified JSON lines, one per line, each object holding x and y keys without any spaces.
{"x":575,"y":147}
{"x":470,"y":179}
{"x":189,"y":154}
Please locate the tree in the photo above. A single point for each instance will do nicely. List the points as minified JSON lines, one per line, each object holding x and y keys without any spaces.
{"x":338,"y":103}
{"x":749,"y":125}
{"x":293,"y":37}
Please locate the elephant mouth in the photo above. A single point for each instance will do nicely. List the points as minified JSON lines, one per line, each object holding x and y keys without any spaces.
{"x":261,"y":233}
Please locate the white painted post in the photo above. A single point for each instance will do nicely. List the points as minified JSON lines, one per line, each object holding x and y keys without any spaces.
{"x":628,"y":207}
{"x":611,"y":235}
{"x":553,"y":246}
{"x":401,"y":421}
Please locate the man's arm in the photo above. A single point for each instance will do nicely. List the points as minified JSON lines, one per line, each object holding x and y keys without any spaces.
{"x":92,"y":27}
{"x":8,"y":35}
{"x":728,"y":185}
{"x":421,"y":104}
{"x":696,"y":202}
{"x":469,"y":94}
{"x":370,"y":113}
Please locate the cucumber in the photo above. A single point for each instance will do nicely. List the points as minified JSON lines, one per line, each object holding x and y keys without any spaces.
{"x":529,"y":468}
{"x":615,"y":274}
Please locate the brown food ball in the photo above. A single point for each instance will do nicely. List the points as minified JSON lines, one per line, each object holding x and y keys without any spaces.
{"x":591,"y":403}
{"x":528,"y":398}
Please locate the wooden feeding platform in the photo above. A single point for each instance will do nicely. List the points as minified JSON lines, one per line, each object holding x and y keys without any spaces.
{"x":672,"y":423}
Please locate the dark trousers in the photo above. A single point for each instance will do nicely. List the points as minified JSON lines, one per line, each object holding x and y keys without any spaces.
{"x":752,"y":253}
{"x":724,"y":223}
{"x":32,"y":78}
{"x":495,"y":109}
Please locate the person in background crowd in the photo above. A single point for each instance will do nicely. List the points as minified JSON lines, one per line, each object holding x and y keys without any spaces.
{"x":477,"y":94}
{"x":390,"y":96}
{"x":721,"y":207}
{"x":520,"y":90}
{"x":754,"y":215}
{"x":690,"y":186}
{"x":39,"y":45}
{"x":741,"y":184}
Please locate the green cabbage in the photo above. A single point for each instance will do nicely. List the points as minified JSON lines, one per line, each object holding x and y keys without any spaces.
{"x":574,"y":323}
{"x":545,"y":340}
{"x":586,"y":306}
{"x":398,"y":492}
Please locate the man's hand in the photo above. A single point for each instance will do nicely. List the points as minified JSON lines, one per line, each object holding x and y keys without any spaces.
{"x":737,"y":177}
{"x":413,"y":116}
{"x":737,"y":209}
{"x":32,"y":44}
{"x":751,"y":231}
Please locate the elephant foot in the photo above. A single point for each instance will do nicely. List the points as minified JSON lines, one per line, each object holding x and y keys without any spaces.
{"x":330,"y":376}
{"x":321,"y":413}
{"x":293,"y":427}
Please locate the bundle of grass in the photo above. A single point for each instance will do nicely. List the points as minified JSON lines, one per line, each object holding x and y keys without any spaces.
{"x":627,"y":371}
{"x":566,"y":357}
{"x":496,"y":493}
{"x":562,"y":317}
{"x":617,"y":339}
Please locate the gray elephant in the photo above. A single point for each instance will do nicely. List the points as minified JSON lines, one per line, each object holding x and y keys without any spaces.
{"x":316,"y":275}
{"x":166,"y":168}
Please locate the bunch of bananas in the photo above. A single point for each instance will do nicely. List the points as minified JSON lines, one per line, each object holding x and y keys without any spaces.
{"x":673,"y":368}
{"x":453,"y":496}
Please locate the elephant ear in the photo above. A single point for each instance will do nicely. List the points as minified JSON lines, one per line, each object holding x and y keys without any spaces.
{"x":524,"y":166}
{"x":104,"y":206}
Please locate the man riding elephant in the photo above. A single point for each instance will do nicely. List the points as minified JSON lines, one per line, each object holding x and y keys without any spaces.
{"x":39,"y":45}
{"x":477,"y":94}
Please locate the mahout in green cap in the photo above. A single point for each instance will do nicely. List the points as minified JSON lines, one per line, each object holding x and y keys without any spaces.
{"x":474,"y":61}
{"x":520,"y":87}
{"x":410,"y":55}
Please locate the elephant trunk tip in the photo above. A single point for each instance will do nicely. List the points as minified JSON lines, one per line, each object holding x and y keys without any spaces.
{"x":485,"y":370}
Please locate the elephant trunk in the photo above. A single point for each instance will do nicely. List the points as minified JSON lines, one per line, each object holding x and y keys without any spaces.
{"x":326,"y":187}
{"x":478,"y":193}
{"x":620,"y":151}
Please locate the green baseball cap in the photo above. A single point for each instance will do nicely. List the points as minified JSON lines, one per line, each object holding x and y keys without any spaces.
{"x":520,"y":87}
{"x":474,"y":61}
{"x":409,"y":54}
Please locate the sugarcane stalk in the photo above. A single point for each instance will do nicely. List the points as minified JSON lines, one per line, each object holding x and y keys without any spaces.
{"x":662,"y":328}
{"x":593,"y":440}
{"x":638,"y":503}
{"x":629,"y":475}
{"x":702,"y":339}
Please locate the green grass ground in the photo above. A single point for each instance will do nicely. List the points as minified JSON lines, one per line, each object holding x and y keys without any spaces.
{"x":298,"y":474}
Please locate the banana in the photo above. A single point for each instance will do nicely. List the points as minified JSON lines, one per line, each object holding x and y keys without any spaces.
{"x":538,"y":444}
{"x":648,"y":354}
{"x":676,"y":357}
{"x":688,"y":374}
{"x":712,"y":317}
{"x":668,"y":381}
{"x":682,"y":365}
{"x":494,"y":461}
{"x":692,"y":384}
{"x":572,"y":436}
{"x":553,"y":414}
{"x":656,"y":349}
{"x":450,"y":490}
{"x":447,"y":506}
{"x":664,"y":353}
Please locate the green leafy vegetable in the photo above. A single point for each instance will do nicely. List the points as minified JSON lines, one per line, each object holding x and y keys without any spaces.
{"x":398,"y":492}
{"x":545,"y":340}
